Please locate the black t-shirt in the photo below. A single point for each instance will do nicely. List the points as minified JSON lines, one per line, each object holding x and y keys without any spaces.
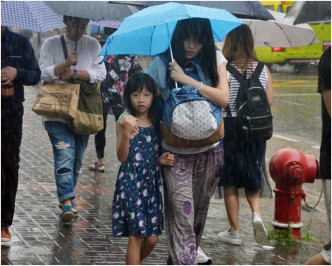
{"x":324,"y":83}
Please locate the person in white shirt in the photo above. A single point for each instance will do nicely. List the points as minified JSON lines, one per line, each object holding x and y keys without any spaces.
{"x":82,"y":63}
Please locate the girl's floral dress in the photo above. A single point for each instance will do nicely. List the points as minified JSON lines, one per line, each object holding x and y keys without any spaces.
{"x":137,"y":201}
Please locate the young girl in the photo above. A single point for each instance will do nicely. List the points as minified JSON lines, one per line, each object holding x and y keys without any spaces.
{"x":137,"y":202}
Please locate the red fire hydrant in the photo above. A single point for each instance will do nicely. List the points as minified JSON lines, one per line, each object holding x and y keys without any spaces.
{"x":290,"y":168}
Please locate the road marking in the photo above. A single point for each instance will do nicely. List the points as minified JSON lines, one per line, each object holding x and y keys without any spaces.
{"x":285,"y":138}
{"x":298,"y":94}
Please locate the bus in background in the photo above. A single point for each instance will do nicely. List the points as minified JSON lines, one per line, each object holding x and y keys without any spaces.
{"x":301,"y":57}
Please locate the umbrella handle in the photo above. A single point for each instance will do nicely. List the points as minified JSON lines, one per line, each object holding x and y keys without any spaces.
{"x":170,"y":49}
{"x":76,"y":40}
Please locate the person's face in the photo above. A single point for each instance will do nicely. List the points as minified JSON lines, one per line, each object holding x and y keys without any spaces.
{"x":191,"y":48}
{"x":141,"y":100}
{"x":76,"y":27}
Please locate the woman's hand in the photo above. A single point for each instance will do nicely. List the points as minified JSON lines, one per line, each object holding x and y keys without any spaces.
{"x":129,"y":124}
{"x":166,"y":159}
{"x":177,"y":73}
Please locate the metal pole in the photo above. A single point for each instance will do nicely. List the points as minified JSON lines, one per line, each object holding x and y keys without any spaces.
{"x":170,"y":49}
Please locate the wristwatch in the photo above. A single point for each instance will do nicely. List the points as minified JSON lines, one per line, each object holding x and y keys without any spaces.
{"x":74,"y":76}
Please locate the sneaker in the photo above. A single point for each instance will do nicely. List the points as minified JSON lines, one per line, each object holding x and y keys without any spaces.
{"x":202,"y":259}
{"x":73,"y":206}
{"x":67,"y":214}
{"x":5,"y":234}
{"x":231,"y":237}
{"x":259,"y":229}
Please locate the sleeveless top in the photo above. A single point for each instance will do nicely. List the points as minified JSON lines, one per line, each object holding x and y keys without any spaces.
{"x":234,"y":86}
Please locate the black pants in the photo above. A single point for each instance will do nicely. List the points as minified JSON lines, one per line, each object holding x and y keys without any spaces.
{"x":117,"y":108}
{"x":11,"y":136}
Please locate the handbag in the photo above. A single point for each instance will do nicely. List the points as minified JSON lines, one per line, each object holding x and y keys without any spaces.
{"x":175,"y":141}
{"x":57,"y":100}
{"x":188,"y":119}
{"x":88,"y":119}
{"x":89,"y":116}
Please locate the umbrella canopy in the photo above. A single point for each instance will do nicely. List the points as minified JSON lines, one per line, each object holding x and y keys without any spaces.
{"x":310,"y":12}
{"x":240,"y":9}
{"x":149,"y":31}
{"x":280,"y":32}
{"x":106,"y":23}
{"x":35,"y":16}
{"x":92,"y":10}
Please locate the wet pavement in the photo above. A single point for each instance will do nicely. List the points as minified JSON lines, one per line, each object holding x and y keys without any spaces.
{"x":39,"y":238}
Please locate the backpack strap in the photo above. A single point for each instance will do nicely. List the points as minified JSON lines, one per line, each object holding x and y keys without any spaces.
{"x":64,"y":46}
{"x":231,"y":69}
{"x":259,"y":69}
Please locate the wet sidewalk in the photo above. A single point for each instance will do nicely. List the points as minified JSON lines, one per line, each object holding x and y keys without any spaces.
{"x":39,"y":238}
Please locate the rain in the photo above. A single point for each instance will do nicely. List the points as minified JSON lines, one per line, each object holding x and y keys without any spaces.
{"x":292,"y":52}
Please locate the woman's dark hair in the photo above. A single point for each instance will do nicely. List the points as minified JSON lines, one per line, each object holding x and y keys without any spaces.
{"x":199,"y":29}
{"x":137,"y":82}
{"x":239,"y":47}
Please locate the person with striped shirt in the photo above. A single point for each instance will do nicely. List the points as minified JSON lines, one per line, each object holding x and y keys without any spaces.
{"x":244,"y":165}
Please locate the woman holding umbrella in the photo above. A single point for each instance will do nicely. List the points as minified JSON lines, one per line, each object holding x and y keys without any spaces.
{"x":191,"y":182}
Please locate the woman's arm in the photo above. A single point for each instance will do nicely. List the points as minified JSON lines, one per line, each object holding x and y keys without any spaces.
{"x":269,"y":91}
{"x":219,"y":95}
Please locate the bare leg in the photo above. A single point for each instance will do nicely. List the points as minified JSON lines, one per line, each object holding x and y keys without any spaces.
{"x":101,"y":163}
{"x":254,"y":201}
{"x":133,"y":250}
{"x":232,"y":207}
{"x":148,"y":245}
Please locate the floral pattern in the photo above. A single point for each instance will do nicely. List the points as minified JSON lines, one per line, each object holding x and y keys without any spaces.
{"x":137,"y":202}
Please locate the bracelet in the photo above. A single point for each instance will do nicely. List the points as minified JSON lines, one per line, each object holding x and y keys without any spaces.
{"x":200,"y":87}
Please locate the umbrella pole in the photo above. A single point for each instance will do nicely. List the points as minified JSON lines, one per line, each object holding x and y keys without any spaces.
{"x":171,"y":52}
{"x":76,"y":36}
{"x":76,"y":40}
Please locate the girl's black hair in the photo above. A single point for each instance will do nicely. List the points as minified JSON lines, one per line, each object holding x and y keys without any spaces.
{"x":138,"y":82}
{"x":200,"y":30}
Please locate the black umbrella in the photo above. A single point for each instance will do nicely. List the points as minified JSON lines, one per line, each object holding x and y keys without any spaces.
{"x":240,"y":9}
{"x":92,"y":10}
{"x":309,"y":12}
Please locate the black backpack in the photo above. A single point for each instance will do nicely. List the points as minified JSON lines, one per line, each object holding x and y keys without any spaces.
{"x":254,"y":117}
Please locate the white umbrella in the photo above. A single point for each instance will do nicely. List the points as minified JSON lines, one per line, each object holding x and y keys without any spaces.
{"x":280,"y":32}
{"x":35,"y":16}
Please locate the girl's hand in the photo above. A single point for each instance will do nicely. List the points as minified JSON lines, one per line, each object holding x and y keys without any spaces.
{"x":129,"y":124}
{"x":166,"y":159}
{"x":176,"y":72}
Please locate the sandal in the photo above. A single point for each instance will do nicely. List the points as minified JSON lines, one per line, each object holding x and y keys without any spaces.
{"x":96,"y":167}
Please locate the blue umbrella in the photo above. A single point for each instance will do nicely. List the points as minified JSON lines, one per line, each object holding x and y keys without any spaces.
{"x":149,"y":31}
{"x":35,"y":16}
